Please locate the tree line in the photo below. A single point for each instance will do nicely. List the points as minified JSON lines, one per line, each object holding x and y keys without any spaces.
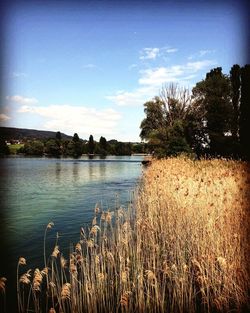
{"x":76,"y":147}
{"x":212,"y":120}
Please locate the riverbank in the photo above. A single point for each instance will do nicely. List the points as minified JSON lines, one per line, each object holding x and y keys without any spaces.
{"x":182,"y":246}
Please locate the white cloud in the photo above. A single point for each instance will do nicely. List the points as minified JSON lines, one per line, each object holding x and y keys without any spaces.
{"x":152,"y":79}
{"x":174,"y":73}
{"x":22,"y":100}
{"x":69,"y":119}
{"x":199,"y":65}
{"x":149,"y":53}
{"x":160,"y":75}
{"x":4,"y":117}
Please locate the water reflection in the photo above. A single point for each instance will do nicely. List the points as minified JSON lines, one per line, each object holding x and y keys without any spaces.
{"x":91,"y":170}
{"x":58,"y":169}
{"x":76,"y":171}
{"x":102,"y":169}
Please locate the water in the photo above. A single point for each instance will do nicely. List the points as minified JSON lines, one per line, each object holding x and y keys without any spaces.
{"x":35,"y":191}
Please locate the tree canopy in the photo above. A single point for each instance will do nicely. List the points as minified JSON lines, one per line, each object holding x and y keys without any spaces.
{"x":213,"y":120}
{"x":167,"y":120}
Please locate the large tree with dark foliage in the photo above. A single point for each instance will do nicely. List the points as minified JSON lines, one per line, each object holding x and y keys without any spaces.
{"x":154,"y":118}
{"x":91,"y":145}
{"x":103,"y":146}
{"x":235,"y":79}
{"x":244,"y":120}
{"x":58,"y":136}
{"x":35,"y":147}
{"x":214,"y":95}
{"x":52,"y":147}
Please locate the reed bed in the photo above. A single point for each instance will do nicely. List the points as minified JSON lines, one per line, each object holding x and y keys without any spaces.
{"x":181,"y":246}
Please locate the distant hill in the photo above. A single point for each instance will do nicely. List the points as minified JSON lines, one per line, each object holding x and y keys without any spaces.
{"x":8,"y":133}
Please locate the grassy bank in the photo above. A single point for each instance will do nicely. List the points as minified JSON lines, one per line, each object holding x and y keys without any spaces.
{"x":15,"y":147}
{"x":183,"y":246}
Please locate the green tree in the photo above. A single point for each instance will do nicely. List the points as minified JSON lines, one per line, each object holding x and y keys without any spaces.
{"x":76,"y":137}
{"x":177,"y":143}
{"x":123,"y":148}
{"x":58,"y":136}
{"x":103,"y":146}
{"x":91,"y":145}
{"x":154,"y":118}
{"x":244,"y":120}
{"x":194,"y":128}
{"x":35,"y":147}
{"x":52,"y":147}
{"x":164,"y":116}
{"x":213,"y":94}
{"x":74,"y":147}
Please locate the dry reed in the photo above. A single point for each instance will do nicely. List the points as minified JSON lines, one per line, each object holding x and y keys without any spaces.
{"x":182,"y":246}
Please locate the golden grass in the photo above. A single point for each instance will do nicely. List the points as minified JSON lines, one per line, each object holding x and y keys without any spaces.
{"x":183,"y":246}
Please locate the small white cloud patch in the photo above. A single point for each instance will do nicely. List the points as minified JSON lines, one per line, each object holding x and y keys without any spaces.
{"x":19,"y":74}
{"x":22,"y":100}
{"x":4,"y":117}
{"x":149,"y":53}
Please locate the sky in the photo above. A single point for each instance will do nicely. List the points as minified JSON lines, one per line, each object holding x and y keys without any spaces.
{"x":88,"y":67}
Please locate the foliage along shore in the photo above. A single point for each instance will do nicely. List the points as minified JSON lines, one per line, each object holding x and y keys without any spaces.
{"x":182,"y":246}
{"x":74,"y":147}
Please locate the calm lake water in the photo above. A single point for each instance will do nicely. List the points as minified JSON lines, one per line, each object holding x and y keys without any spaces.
{"x":35,"y":191}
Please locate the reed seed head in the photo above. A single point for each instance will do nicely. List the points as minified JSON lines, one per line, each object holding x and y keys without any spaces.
{"x":50,"y":225}
{"x":94,"y":230}
{"x":63,"y":262}
{"x":55,"y":252}
{"x":37,"y":279}
{"x":25,"y":278}
{"x":221,"y":263}
{"x":65,"y":292}
{"x":78,"y":247}
{"x":22,"y":261}
{"x":101,"y":277}
{"x":2,"y":284}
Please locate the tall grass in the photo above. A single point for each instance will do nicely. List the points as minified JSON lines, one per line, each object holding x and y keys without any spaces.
{"x":182,"y":246}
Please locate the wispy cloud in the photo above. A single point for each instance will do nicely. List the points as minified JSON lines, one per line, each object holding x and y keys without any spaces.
{"x":200,"y":54}
{"x":132,"y":66}
{"x":70,"y":118}
{"x":22,"y":100}
{"x":153,"y":53}
{"x":4,"y":117}
{"x":89,"y":66}
{"x":19,"y":74}
{"x":170,"y":50}
{"x":152,"y":79}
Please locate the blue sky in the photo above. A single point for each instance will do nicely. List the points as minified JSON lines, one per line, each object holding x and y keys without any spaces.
{"x":89,"y":67}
